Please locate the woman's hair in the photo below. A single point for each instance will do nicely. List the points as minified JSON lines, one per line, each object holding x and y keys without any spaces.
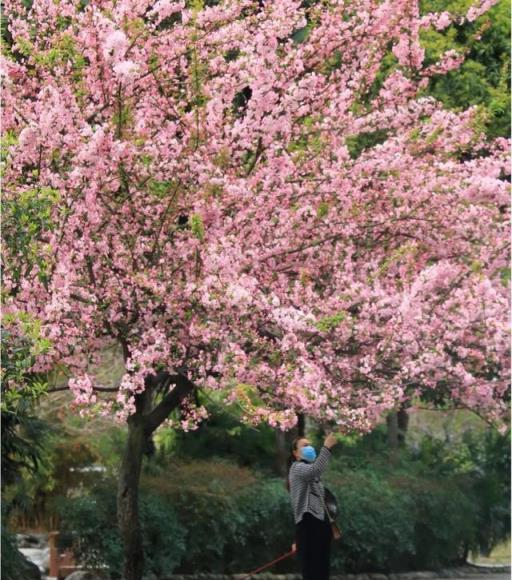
{"x":291,"y":459}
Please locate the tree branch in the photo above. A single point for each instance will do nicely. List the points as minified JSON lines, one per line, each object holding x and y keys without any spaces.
{"x":183,"y":387}
{"x":97,"y":389}
{"x":254,"y":160}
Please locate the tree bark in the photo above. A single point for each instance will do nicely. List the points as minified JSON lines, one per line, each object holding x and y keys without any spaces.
{"x":392,"y":423}
{"x":140,"y":427}
{"x":281,"y":453}
{"x":397,"y":422}
{"x":403,"y":424}
{"x":301,"y":425}
{"x":393,"y":443}
{"x":128,"y":499}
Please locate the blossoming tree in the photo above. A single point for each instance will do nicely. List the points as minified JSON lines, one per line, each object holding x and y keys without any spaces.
{"x":186,"y":180}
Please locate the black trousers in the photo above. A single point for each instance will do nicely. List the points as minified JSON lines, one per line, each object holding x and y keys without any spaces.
{"x":314,"y":538}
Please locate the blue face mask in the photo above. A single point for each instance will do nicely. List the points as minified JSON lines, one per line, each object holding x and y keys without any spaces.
{"x":308,"y":453}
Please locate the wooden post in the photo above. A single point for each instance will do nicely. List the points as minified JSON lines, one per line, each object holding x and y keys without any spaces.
{"x":61,"y":564}
{"x":54,"y":554}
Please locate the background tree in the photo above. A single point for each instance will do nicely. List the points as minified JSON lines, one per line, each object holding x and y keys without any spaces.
{"x":484,"y":77}
{"x":23,"y":436}
{"x":250,"y":247}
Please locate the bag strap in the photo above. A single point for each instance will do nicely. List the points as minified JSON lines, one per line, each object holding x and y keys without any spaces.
{"x":331,"y":519}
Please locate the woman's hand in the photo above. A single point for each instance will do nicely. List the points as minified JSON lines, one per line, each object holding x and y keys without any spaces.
{"x":330,"y":440}
{"x":294,"y":547}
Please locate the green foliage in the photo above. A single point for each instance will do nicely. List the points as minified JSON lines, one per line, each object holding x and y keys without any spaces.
{"x":63,"y":53}
{"x":358,"y":143}
{"x":425,"y":508}
{"x":66,"y":467}
{"x":161,"y":189}
{"x":406,"y":521}
{"x":221,"y":436}
{"x":323,"y":209}
{"x":234,"y":519}
{"x":377,"y":523}
{"x":164,"y":536}
{"x":330,"y":322}
{"x":39,"y":460}
{"x":249,"y":528}
{"x":445,"y":523}
{"x":484,"y":77}
{"x":92,"y":519}
{"x":301,"y":34}
{"x":481,"y":462}
{"x":24,"y":218}
{"x":413,"y":514}
{"x":19,"y":385}
{"x":197,"y":226}
{"x":14,"y":566}
{"x":23,"y":437}
{"x":23,"y":434}
{"x":108,"y":447}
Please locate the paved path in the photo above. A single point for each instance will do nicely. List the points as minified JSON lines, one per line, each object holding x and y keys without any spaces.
{"x":488,"y":576}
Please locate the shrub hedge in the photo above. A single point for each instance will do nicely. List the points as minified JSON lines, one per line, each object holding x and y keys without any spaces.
{"x":421,"y":513}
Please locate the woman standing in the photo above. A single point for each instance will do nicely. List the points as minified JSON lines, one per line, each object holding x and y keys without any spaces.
{"x":313,"y":530}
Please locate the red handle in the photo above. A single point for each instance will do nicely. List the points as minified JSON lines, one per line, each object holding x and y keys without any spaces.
{"x":287,"y":555}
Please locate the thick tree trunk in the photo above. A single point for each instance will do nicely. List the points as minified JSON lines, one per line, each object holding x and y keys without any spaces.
{"x":128,"y":500}
{"x":141,"y":425}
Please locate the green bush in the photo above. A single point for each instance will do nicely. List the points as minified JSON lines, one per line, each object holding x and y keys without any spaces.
{"x":93,"y":519}
{"x":14,"y":566}
{"x":423,"y":510}
{"x":405,"y":521}
{"x":480,"y":463}
{"x":446,"y":520}
{"x":233,"y":517}
{"x":222,"y":437}
{"x":376,"y":521}
{"x":234,"y":533}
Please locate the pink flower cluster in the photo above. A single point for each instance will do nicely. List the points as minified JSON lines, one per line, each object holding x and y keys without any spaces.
{"x":209,"y":214}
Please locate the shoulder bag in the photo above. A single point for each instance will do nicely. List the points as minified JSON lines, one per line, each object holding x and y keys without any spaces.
{"x":331,"y":511}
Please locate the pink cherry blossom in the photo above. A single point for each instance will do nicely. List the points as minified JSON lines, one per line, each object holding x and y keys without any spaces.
{"x":202,"y":208}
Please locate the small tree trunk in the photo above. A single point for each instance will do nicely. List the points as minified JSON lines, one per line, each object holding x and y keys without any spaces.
{"x":402,"y":418}
{"x":301,"y":425}
{"x":397,"y":422}
{"x":392,"y":423}
{"x":128,"y":500}
{"x":281,"y":453}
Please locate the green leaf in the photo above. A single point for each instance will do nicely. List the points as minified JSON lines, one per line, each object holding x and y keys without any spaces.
{"x":505,"y":274}
{"x":197,"y":226}
{"x":301,"y":34}
{"x":323,"y":209}
{"x":328,"y":323}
